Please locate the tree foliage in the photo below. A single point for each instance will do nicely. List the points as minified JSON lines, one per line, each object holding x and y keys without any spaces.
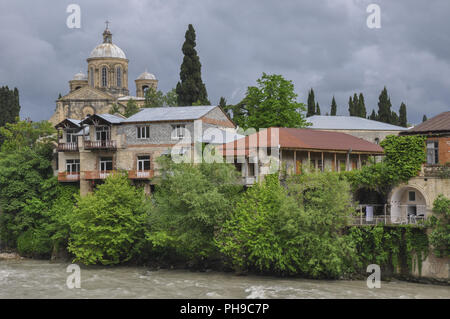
{"x":190,"y":203}
{"x":191,"y":88}
{"x":9,"y":105}
{"x":272,"y":102}
{"x":333,"y":107}
{"x":108,"y":226}
{"x":290,"y":231}
{"x":311,"y":110}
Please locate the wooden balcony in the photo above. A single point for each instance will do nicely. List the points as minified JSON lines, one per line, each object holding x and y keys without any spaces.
{"x":67,"y":147}
{"x":97,"y":174}
{"x":100,"y":145}
{"x":68,"y":176}
{"x":140,"y":174}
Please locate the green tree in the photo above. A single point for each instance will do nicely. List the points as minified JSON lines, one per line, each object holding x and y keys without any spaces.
{"x":153,"y":98}
{"x":439,"y":223}
{"x":394,"y":118}
{"x":361,"y":106}
{"x":373,"y":116}
{"x":403,"y":121}
{"x":222,"y":103}
{"x":190,"y":203}
{"x":272,"y":103}
{"x":191,"y":88}
{"x":171,"y":98}
{"x":424,"y":118}
{"x":317,"y":109}
{"x":108,"y":226}
{"x":311,"y":104}
{"x":131,"y":109}
{"x":9,"y":105}
{"x":333,"y":107}
{"x":290,"y":231}
{"x":115,"y":108}
{"x":353,"y":105}
{"x":384,"y":107}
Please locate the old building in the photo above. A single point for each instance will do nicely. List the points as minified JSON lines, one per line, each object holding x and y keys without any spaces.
{"x":91,"y":149}
{"x":293,"y":151}
{"x":105,"y":84}
{"x":372,"y":131}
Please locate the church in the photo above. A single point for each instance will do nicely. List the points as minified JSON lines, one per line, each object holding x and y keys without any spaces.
{"x":105,"y":85}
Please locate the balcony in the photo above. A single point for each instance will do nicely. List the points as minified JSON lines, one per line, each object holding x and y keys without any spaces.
{"x":100,"y":145}
{"x":382,"y":215}
{"x":140,"y":174}
{"x":440,"y":171}
{"x":68,"y":176}
{"x":67,"y":147}
{"x":97,"y":174}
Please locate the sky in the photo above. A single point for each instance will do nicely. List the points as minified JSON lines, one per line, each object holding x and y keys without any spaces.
{"x":321,"y":44}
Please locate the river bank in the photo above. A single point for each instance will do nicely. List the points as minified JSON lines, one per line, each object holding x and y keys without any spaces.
{"x":28,"y":278}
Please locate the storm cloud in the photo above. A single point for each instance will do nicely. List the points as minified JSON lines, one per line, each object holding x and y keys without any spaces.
{"x":323,"y":44}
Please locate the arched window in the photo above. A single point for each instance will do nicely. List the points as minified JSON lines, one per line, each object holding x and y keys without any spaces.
{"x":119,"y":77}
{"x":91,"y":75}
{"x":104,"y":77}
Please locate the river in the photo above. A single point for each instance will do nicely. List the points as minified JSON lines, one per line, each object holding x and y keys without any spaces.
{"x":43,"y":279}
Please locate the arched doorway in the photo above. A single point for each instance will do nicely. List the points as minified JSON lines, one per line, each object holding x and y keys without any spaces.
{"x":407,"y":205}
{"x":371,"y":207}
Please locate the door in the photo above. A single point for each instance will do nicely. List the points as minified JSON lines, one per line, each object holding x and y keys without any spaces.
{"x":298,"y":167}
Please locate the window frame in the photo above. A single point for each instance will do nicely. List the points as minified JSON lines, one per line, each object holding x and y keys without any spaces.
{"x":143,"y":132}
{"x":73,"y":163}
{"x":432,"y":152}
{"x":105,"y":161}
{"x":176,"y":130}
{"x":101,"y":129}
{"x":104,"y":76}
{"x":119,"y":77}
{"x":141,"y":162}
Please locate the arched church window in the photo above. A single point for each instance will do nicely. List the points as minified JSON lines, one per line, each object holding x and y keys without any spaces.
{"x":104,"y":77}
{"x":145,"y":89}
{"x":119,"y":77}
{"x":91,"y":75}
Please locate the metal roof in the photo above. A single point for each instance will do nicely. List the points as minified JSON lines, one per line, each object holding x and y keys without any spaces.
{"x":173,"y":113}
{"x":146,"y":76}
{"x":110,"y":118}
{"x":294,"y":138}
{"x":439,"y":123}
{"x":107,"y":50}
{"x":322,"y":122}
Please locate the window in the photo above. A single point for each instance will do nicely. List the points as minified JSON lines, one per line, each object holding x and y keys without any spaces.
{"x":72,"y":166}
{"x":119,"y":77}
{"x":377,"y":140}
{"x":104,"y":77}
{"x":432,"y":152}
{"x":106,"y":164}
{"x":412,"y":196}
{"x":91,"y":75}
{"x":70,"y":136}
{"x":102,"y":133}
{"x":143,"y":132}
{"x":178,"y":131}
{"x":143,"y":163}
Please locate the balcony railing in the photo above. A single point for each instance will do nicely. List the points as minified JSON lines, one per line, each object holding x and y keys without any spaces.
{"x":140,"y":174}
{"x":68,"y":176}
{"x":441,"y":171}
{"x":362,"y":218}
{"x":97,"y":174}
{"x":67,"y":147}
{"x":100,"y":145}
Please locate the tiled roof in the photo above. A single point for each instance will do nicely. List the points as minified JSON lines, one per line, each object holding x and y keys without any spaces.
{"x":323,"y":122}
{"x":294,"y":138}
{"x":173,"y":113}
{"x":439,"y":123}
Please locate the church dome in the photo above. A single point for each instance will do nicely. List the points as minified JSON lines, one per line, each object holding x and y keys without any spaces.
{"x":107,"y":50}
{"x":146,"y":76}
{"x":80,"y":77}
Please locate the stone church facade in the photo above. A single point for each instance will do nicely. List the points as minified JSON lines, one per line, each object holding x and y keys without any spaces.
{"x":105,"y":85}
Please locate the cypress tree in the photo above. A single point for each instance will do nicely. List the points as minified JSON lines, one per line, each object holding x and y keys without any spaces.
{"x":424,"y":118}
{"x":317,"y":109}
{"x":353,"y":105}
{"x":402,"y":115}
{"x":223,"y":103}
{"x":191,"y":89}
{"x":9,"y":105}
{"x":394,"y":118}
{"x":373,"y":116}
{"x":384,"y":107}
{"x":311,"y":104}
{"x":333,"y":107}
{"x":361,"y":106}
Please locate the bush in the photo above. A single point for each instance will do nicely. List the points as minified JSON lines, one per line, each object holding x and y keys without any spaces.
{"x":34,"y":243}
{"x":108,"y":226}
{"x":291,"y":231}
{"x":190,"y":203}
{"x":439,"y":222}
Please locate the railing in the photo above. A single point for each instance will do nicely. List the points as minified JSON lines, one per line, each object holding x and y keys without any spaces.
{"x":140,"y":174}
{"x":97,"y":174}
{"x":67,"y":147}
{"x":403,"y":218}
{"x":68,"y":176}
{"x":100,"y":145}
{"x":441,"y":171}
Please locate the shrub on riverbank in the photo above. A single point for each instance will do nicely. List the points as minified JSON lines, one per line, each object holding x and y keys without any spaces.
{"x":297,"y":230}
{"x":108,"y":226}
{"x":190,"y":203}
